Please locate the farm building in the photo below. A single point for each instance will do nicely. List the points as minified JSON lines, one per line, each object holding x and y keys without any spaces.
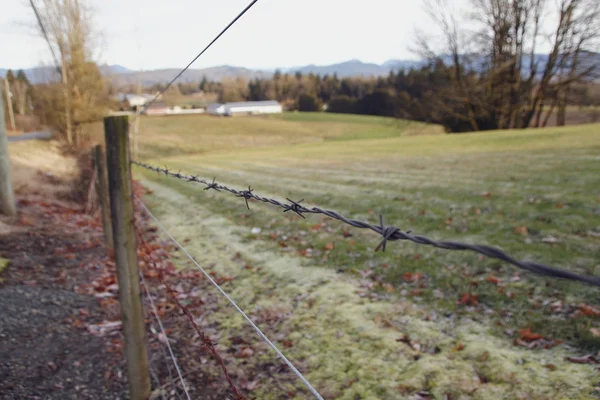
{"x":253,"y":107}
{"x":157,"y":108}
{"x":245,"y":108}
{"x":216,"y":109}
{"x":160,"y":108}
{"x":134,"y":100}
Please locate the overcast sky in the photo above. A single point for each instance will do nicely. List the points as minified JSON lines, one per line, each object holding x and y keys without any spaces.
{"x":151,"y":34}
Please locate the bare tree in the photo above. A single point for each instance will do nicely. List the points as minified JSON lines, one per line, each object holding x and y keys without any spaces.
{"x":68,"y":28}
{"x":514,"y":83}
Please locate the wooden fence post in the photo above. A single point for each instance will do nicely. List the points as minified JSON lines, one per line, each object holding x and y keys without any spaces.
{"x":102,"y":192}
{"x":116,"y":130}
{"x":7,"y":197}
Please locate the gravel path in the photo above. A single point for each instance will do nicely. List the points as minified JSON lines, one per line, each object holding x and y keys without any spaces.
{"x":45,"y":350}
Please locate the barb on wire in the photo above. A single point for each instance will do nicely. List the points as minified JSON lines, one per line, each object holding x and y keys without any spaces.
{"x":157,"y":95}
{"x":234,"y":304}
{"x":391,"y":233}
{"x":295,"y":207}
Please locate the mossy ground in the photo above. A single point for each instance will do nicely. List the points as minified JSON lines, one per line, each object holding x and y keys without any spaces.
{"x":371,"y":325}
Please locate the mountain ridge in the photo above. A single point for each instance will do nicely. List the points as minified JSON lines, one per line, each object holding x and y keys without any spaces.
{"x":120,"y":74}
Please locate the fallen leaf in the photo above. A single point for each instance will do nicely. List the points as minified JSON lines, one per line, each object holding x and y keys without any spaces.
{"x":529,"y":336}
{"x":595,"y":332}
{"x":469,"y":299}
{"x":246,"y":352}
{"x":329,"y":246}
{"x":485,"y":356}
{"x":559,"y":205}
{"x":493,"y":279}
{"x":459,"y":347}
{"x":521,"y":230}
{"x":589,"y":311}
{"x":486,"y":194}
{"x":551,"y":367}
{"x":587,"y":359}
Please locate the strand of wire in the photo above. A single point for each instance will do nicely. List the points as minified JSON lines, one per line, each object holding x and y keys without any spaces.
{"x":45,"y":33}
{"x":234,"y":304}
{"x":162,"y":329}
{"x":249,"y":6}
{"x":388,"y":233}
{"x":171,"y":382}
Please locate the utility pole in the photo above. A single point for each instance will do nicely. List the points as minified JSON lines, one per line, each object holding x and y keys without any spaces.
{"x":11,"y":113}
{"x":7,"y":197}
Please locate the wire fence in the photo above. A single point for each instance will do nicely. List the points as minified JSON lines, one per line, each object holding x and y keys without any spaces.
{"x":388,"y":233}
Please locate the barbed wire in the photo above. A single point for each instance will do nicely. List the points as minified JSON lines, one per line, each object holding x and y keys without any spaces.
{"x":234,"y":304}
{"x":388,"y":233}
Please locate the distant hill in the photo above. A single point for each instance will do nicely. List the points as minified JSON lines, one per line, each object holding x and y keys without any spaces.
{"x":122,"y":75}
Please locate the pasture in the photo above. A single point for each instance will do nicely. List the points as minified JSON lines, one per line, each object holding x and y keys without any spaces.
{"x":366,"y":325}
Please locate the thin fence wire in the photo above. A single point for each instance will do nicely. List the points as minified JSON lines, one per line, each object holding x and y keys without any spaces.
{"x":249,"y":6}
{"x":234,"y":304}
{"x":388,"y":233}
{"x":162,"y":329}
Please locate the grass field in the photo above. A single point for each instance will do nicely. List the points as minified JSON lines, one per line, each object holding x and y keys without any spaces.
{"x":368,"y":325}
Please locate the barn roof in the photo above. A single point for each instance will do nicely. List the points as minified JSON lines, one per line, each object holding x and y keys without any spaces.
{"x":253,"y":103}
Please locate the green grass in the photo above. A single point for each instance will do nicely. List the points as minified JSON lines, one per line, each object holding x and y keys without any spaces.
{"x":478,"y":188}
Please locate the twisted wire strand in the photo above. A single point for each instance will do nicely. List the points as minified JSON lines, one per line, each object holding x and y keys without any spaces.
{"x":388,"y":233}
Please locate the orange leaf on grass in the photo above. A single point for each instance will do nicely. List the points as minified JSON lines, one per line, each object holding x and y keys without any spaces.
{"x":529,"y":336}
{"x":493,"y":279}
{"x":589,"y":311}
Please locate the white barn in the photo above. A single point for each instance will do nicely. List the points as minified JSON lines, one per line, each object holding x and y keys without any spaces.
{"x":253,"y":107}
{"x":216,"y":109}
{"x":245,"y":108}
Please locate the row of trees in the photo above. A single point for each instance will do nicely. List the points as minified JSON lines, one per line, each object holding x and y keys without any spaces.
{"x":503,"y":64}
{"x":20,"y":89}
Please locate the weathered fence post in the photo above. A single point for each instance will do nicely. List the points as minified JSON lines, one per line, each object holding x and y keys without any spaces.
{"x":116,"y":130}
{"x":7,"y":197}
{"x":102,"y":192}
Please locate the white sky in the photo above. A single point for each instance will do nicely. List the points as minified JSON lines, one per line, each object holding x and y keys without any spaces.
{"x":151,"y":34}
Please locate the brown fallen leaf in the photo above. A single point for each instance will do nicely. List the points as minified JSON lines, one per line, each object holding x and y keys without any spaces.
{"x":485,"y":356}
{"x":587,"y":359}
{"x":493,"y":279}
{"x":459,"y":347}
{"x":595,"y":332}
{"x":529,"y":336}
{"x":329,"y":246}
{"x":589,"y":311}
{"x":551,"y":367}
{"x":521,"y":230}
{"x":246,"y":352}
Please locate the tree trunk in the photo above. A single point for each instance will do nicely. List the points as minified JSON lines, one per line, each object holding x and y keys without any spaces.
{"x":65,"y":84}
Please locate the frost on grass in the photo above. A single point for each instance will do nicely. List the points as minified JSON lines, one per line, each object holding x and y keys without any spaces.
{"x":355,"y":348}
